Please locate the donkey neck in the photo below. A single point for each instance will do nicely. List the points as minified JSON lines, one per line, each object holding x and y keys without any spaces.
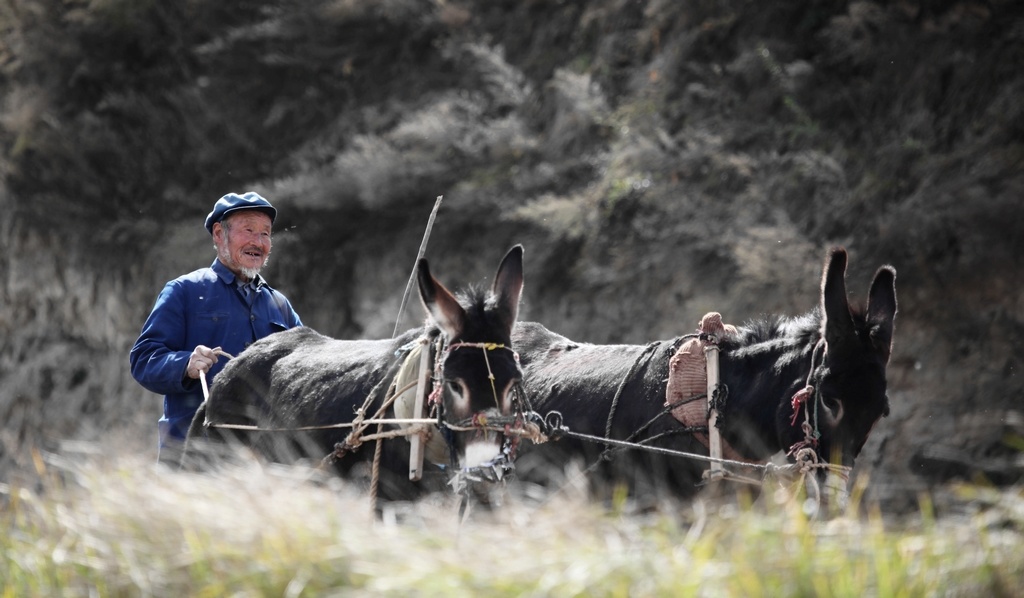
{"x":763,"y":366}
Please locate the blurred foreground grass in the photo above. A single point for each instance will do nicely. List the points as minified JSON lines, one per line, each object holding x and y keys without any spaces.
{"x":127,"y":529}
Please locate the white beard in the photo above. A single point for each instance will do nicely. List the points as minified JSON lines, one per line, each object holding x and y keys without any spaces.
{"x":252,"y":273}
{"x":248,"y":273}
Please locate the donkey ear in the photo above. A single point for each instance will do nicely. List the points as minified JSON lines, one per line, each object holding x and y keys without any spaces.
{"x":508,"y":286}
{"x":882,"y":309}
{"x":838,"y":324}
{"x":439,"y":301}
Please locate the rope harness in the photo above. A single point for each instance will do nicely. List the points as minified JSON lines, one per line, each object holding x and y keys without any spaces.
{"x":802,"y":397}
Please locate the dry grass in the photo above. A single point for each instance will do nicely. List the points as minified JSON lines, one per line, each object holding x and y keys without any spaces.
{"x":128,"y":529}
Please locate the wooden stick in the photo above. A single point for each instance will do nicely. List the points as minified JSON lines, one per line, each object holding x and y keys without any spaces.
{"x":416,"y":440}
{"x":423,"y":250}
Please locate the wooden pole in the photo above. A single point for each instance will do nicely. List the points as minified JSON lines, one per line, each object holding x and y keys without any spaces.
{"x":416,"y":440}
{"x":714,"y":438}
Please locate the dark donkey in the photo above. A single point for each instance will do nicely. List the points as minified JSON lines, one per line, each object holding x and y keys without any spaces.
{"x":293,"y":385}
{"x":826,"y":368}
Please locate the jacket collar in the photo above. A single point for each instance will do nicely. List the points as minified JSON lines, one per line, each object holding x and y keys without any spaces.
{"x":228,"y":277}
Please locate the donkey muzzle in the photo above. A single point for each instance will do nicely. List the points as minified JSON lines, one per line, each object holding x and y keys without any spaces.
{"x":836,"y":492}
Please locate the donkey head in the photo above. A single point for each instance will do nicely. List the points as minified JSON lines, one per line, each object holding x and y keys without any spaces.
{"x":849,"y":376}
{"x":479,"y":368}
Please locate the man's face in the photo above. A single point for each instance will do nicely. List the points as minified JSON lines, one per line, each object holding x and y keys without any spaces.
{"x":243,"y":242}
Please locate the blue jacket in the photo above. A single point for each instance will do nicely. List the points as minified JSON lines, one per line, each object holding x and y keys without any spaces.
{"x":205,"y":307}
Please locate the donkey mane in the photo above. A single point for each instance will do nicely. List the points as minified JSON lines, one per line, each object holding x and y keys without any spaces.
{"x":773,"y":327}
{"x":785,"y":339}
{"x":764,"y":332}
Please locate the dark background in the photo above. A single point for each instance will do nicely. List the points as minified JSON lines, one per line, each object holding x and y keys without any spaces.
{"x":658,"y":160}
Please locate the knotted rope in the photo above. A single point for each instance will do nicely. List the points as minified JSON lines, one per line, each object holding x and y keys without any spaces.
{"x":802,"y":397}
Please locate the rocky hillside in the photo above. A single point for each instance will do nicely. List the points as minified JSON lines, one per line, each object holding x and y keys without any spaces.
{"x":658,"y":160}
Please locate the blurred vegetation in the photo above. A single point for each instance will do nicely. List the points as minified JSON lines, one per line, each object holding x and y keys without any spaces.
{"x":124,"y":529}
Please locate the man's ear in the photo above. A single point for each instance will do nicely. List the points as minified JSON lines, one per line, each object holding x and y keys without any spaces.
{"x":218,"y":233}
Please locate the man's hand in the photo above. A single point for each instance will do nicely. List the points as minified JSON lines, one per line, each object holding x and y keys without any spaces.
{"x":201,"y":359}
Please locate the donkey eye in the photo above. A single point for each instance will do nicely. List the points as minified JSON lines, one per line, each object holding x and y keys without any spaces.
{"x":834,"y":405}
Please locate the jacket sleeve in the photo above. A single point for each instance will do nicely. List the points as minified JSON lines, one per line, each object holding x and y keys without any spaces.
{"x":288,"y":314}
{"x":159,"y":357}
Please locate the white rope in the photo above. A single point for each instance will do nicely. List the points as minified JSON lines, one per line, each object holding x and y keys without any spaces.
{"x":841,"y":469}
{"x":353,"y":424}
{"x":202,"y":373}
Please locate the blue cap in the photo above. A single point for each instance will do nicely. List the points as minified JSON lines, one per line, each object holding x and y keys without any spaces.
{"x":232,"y":202}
